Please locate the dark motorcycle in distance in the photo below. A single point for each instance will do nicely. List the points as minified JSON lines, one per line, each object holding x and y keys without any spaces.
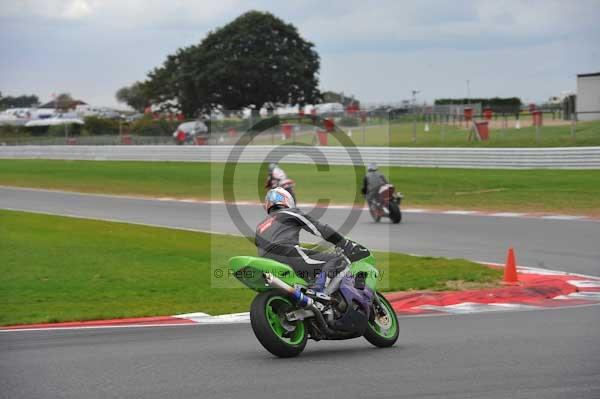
{"x":387,"y":204}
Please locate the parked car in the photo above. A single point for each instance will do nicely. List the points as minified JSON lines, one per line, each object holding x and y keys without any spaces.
{"x":330,"y":110}
{"x":190,"y":131}
{"x":134,"y":117}
{"x":110,"y":114}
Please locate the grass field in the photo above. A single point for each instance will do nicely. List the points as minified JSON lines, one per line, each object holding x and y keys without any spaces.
{"x":561,"y":191}
{"x":401,"y":135}
{"x":59,"y":269}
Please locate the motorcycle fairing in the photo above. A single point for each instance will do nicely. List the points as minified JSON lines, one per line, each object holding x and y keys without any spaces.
{"x":356,"y":316}
{"x":249,"y":270}
{"x":367,"y":266}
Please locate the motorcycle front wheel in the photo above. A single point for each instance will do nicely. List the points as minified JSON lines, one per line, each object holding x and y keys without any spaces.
{"x":382,"y":329}
{"x":291,"y":191}
{"x":274,"y":332}
{"x":374,"y":213}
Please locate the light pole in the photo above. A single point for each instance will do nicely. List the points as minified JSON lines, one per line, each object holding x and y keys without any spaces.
{"x":414,"y":100}
{"x":468,"y":91}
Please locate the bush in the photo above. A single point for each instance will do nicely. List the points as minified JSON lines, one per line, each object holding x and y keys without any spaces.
{"x":226,"y":124}
{"x":510,"y":104}
{"x":151,"y":127}
{"x":241,"y":125}
{"x":96,"y":126}
{"x":12,"y":131}
{"x":348,"y":121}
{"x":59,"y":131}
{"x":38,"y":130}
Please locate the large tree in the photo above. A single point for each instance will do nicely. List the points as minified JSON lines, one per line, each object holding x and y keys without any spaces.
{"x":23,"y":101}
{"x":255,"y":60}
{"x":64,"y":97}
{"x":135,"y":96}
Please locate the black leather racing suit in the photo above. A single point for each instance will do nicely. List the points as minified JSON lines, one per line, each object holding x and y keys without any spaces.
{"x":278,"y":238}
{"x":371,"y":184}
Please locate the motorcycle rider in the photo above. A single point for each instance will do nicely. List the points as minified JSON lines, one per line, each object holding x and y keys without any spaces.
{"x":275,"y":177}
{"x":372,"y":181}
{"x":278,"y":238}
{"x":278,"y":178}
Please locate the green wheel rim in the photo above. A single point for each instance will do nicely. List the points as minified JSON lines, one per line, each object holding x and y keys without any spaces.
{"x":389,"y":333}
{"x":293,"y":338}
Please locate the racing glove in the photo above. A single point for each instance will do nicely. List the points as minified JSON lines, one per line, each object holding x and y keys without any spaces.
{"x":353,"y":250}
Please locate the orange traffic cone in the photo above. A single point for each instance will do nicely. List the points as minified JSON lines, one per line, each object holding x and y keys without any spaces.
{"x":510,"y":269}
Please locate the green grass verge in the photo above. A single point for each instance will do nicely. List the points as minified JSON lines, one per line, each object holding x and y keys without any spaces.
{"x":59,"y":269}
{"x":400,"y":134}
{"x":563,"y":191}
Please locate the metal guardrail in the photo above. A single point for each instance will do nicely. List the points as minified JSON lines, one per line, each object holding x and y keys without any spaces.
{"x":503,"y":158}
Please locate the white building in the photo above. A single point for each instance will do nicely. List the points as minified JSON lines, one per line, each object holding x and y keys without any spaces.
{"x":588,"y":96}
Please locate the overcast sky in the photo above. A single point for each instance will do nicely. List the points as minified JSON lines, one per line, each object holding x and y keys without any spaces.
{"x":378,"y":51}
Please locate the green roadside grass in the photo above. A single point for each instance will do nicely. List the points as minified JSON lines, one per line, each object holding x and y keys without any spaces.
{"x":63,"y":269}
{"x":400,"y":134}
{"x":544,"y":191}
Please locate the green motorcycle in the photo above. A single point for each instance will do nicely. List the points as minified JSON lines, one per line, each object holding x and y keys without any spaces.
{"x":286,"y":312}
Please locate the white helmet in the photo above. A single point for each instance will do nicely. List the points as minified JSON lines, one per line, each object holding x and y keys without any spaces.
{"x":279,"y":197}
{"x":372,"y":167}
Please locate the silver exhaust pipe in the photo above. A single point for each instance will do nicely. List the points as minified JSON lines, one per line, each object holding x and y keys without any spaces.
{"x":301,"y":299}
{"x":274,"y":282}
{"x":295,"y":293}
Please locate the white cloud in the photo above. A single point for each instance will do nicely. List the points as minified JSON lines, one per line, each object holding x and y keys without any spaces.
{"x":52,"y":9}
{"x":123,"y":13}
{"x":457,"y":20}
{"x":78,"y":9}
{"x":335,"y":21}
{"x":533,"y":73}
{"x":375,"y":50}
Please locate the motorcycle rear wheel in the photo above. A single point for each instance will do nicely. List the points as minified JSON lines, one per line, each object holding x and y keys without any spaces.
{"x":272,"y":330}
{"x":383,"y":330}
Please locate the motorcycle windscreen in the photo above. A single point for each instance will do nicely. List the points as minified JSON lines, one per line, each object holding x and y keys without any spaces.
{"x":249,"y":270}
{"x":367,"y":267}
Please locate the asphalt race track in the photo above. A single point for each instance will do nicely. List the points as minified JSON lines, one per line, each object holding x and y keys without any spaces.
{"x":552,"y":353}
{"x":569,"y":245}
{"x":543,"y":354}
